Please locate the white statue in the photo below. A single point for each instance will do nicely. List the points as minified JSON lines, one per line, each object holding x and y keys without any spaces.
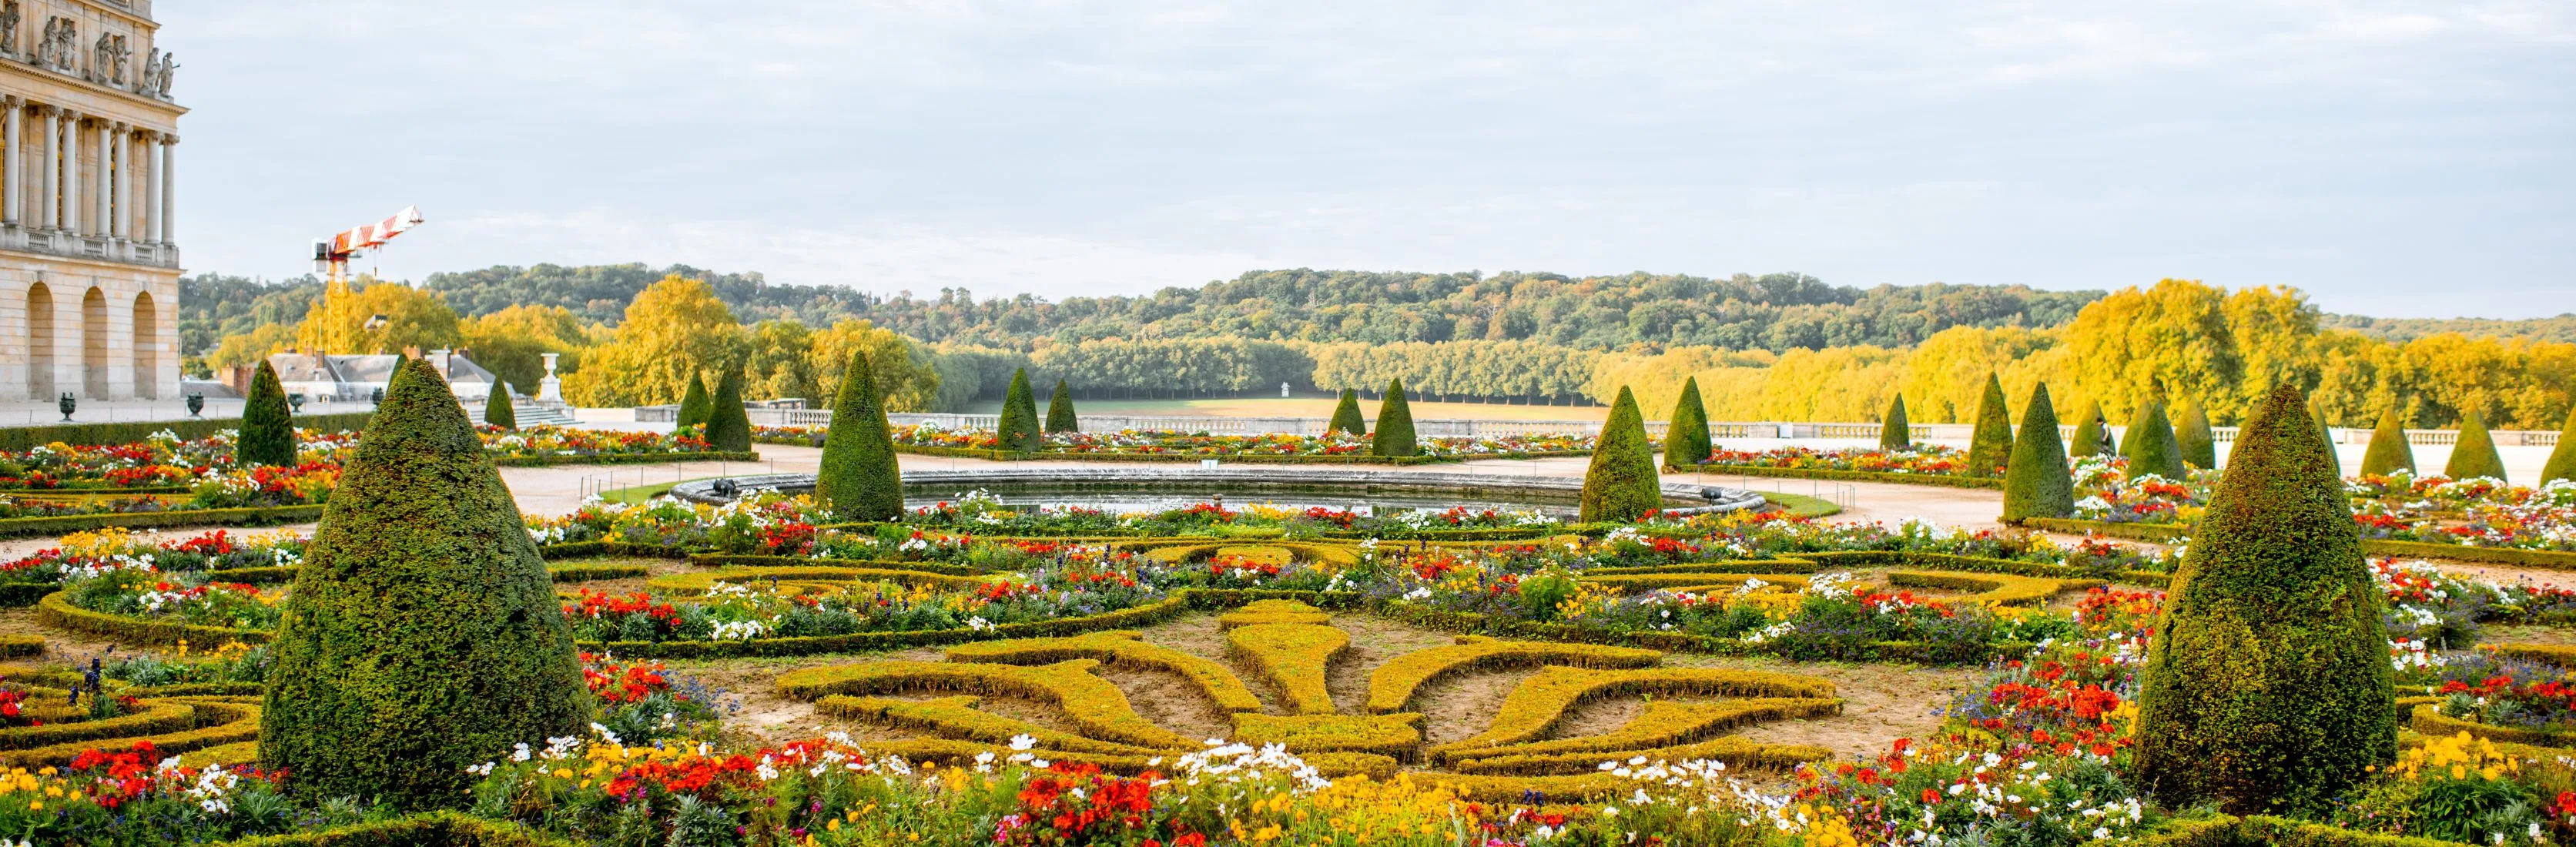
{"x":1283,"y":389}
{"x":9,"y":18}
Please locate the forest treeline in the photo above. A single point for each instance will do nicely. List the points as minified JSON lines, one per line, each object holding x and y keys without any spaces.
{"x":1843,"y":354}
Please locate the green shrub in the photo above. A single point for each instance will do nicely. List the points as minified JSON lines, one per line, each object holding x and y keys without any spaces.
{"x":859,"y":480}
{"x":728,"y":425}
{"x":2562,"y":459}
{"x":2268,"y":684}
{"x":2474,"y":455}
{"x":268,"y":423}
{"x":1018,"y":429}
{"x":422,"y":634}
{"x":2199,"y":447}
{"x":1686,"y":441}
{"x":2038,"y":483}
{"x":1991,"y":448}
{"x":2092,"y":432}
{"x":1346,"y":415}
{"x":1893,"y":432}
{"x":2388,"y":451}
{"x":1394,"y":436}
{"x":1621,"y":484}
{"x":695,"y":406}
{"x":2151,"y":445}
{"x":498,"y":410}
{"x":1060,"y":417}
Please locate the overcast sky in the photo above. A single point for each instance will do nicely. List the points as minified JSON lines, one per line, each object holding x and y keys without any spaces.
{"x":2398,"y":159}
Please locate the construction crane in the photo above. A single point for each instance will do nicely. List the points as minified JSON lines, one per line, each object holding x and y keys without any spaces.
{"x":332,"y":254}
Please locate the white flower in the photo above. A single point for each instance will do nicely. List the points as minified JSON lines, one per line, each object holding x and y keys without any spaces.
{"x":1023,"y":742}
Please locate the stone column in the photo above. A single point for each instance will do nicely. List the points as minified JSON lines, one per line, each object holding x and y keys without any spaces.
{"x":169,"y":199}
{"x":14,"y":195}
{"x":71,"y":173}
{"x":114,"y":154}
{"x":98,"y":183}
{"x":151,"y":146}
{"x":47,"y":172}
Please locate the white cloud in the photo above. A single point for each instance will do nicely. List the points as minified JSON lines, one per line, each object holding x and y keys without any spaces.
{"x":2338,"y":145}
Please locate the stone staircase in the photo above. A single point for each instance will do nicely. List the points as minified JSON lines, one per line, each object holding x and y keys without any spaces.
{"x":531,"y":414}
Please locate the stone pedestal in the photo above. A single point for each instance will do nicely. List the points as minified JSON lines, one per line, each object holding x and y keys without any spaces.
{"x":550,"y":389}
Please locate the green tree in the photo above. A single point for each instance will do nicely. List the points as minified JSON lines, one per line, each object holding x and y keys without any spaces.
{"x":728,"y":425}
{"x":1893,"y":432}
{"x":695,"y":406}
{"x":2389,"y":452}
{"x":1346,"y":415}
{"x":2153,"y":449}
{"x":422,"y":633}
{"x":1394,"y":435}
{"x":1686,"y":442}
{"x":268,"y":423}
{"x":2474,"y":454}
{"x":2199,"y":447}
{"x":2039,"y":483}
{"x":1060,"y":417}
{"x":2562,"y":459}
{"x":2091,"y":431}
{"x":2267,"y":686}
{"x":1991,"y":447}
{"x":1621,"y":484}
{"x":497,"y":408}
{"x":859,"y":479}
{"x":1018,"y":429}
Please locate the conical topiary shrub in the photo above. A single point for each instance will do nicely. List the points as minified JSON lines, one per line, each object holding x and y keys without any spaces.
{"x":2268,"y":686}
{"x":2474,"y":455}
{"x":1686,"y":436}
{"x":2191,"y":433}
{"x":1394,"y":435}
{"x":268,"y":423}
{"x":2091,"y":431}
{"x":859,"y":480}
{"x":2562,"y":459}
{"x":497,"y":408}
{"x":2326,"y":431}
{"x":1621,"y":484}
{"x":695,"y":405}
{"x":728,"y":426}
{"x":1346,"y":415}
{"x":1990,"y":448}
{"x":2039,"y":483}
{"x":1018,"y":431}
{"x":2152,"y":446}
{"x":1060,"y":416}
{"x":1894,"y":432}
{"x":2389,"y":452}
{"x":422,"y":635}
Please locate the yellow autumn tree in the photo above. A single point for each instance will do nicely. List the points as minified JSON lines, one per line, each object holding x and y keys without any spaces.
{"x":346,"y":320}
{"x":674,"y":329}
{"x":906,"y":377}
{"x":513,"y":343}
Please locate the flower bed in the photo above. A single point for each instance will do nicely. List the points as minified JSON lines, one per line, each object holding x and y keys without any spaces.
{"x":1922,"y":464}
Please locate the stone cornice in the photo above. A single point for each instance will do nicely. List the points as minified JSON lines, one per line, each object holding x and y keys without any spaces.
{"x":14,"y":69}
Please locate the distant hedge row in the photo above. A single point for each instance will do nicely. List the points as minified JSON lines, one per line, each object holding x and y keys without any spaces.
{"x":126,"y":432}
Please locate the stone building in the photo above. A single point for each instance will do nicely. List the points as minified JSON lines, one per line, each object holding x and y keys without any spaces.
{"x":89,"y":273}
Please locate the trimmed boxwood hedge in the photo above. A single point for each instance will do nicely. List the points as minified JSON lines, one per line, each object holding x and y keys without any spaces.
{"x":1857,"y":476}
{"x":1394,"y":436}
{"x":755,"y":560}
{"x":1346,"y":415}
{"x":2225,"y":831}
{"x":436,"y":829}
{"x":627,"y":458}
{"x":2160,"y":533}
{"x":56,"y":610}
{"x":251,"y":516}
{"x":1246,"y":458}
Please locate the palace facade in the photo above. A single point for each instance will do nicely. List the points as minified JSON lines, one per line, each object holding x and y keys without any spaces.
{"x":89,"y":272}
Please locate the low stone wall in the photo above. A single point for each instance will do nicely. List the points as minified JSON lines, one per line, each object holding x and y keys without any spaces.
{"x":1687,"y":499}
